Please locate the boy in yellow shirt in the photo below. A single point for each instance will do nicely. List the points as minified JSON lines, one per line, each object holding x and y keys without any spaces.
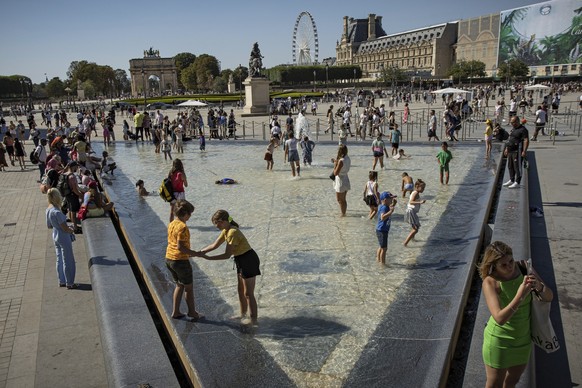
{"x":178,"y":253}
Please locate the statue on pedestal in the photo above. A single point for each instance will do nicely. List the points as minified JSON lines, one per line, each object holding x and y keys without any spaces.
{"x":255,"y":62}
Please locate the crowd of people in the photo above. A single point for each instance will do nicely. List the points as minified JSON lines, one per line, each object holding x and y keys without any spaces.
{"x":68,"y":167}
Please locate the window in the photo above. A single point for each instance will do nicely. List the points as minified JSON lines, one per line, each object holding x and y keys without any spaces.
{"x":573,"y":67}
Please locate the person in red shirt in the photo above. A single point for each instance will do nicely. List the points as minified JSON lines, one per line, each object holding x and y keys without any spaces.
{"x":179,"y":183}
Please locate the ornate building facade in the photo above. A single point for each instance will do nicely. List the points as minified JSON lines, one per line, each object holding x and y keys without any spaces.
{"x":424,"y":52}
{"x":478,"y":39}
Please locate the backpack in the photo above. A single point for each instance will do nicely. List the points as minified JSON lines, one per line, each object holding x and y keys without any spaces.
{"x":63,"y":184}
{"x":166,"y":190}
{"x":34,"y":157}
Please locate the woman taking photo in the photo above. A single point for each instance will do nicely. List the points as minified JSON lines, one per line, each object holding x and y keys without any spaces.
{"x":507,"y":337}
{"x":63,"y":238}
{"x":341,"y":184}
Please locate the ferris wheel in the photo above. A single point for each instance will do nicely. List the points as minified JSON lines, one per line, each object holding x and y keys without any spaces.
{"x":305,"y":41}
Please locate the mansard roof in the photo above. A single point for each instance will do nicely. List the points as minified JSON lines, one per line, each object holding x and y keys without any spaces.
{"x":407,"y":38}
{"x":358,"y":30}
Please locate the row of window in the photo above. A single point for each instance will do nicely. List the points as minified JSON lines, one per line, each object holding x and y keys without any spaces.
{"x":473,"y":51}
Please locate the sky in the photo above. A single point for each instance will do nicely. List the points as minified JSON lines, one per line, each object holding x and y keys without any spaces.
{"x":45,"y":37}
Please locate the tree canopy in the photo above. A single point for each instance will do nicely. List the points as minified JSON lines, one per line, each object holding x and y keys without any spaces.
{"x":512,"y":68}
{"x":467,"y":69}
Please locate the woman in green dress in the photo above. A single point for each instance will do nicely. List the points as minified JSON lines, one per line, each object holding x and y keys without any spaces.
{"x":506,"y":339}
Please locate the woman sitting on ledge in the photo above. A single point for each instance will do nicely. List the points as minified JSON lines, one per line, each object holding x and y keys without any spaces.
{"x":95,"y":202}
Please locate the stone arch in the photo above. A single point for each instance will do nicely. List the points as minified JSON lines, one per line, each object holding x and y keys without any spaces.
{"x":141,"y":69}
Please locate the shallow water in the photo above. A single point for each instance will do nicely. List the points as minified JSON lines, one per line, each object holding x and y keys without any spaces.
{"x":321,"y":294}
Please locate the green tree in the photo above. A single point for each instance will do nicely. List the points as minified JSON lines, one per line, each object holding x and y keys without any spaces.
{"x":511,"y":69}
{"x":122,"y":83}
{"x":183,"y":61}
{"x":219,"y":85}
{"x":55,"y":88}
{"x":89,"y":88}
{"x":188,"y":78}
{"x":206,"y":70}
{"x":466,"y":69}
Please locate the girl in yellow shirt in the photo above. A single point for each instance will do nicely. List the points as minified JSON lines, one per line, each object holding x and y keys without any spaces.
{"x":246,"y":260}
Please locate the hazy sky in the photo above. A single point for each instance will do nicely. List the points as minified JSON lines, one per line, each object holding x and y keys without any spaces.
{"x":45,"y":37}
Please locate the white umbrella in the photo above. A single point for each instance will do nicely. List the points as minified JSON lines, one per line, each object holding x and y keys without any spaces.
{"x":537,"y":87}
{"x":192,"y":103}
{"x":451,"y":90}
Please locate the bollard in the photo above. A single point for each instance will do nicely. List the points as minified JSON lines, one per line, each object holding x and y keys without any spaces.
{"x":244,"y":129}
{"x":317,"y":130}
{"x":253,"y":128}
{"x":264,"y":137}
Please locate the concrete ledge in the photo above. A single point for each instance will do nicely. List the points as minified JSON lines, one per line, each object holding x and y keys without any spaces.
{"x":133,"y":351}
{"x":512,"y":227}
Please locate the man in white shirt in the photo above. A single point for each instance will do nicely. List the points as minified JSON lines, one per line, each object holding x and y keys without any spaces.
{"x":347,"y":118}
{"x":41,"y":154}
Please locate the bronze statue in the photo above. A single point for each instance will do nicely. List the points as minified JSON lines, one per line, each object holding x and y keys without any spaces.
{"x":255,"y":62}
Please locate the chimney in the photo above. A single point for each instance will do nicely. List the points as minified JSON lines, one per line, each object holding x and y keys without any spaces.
{"x":345,"y":34}
{"x":371,"y":26}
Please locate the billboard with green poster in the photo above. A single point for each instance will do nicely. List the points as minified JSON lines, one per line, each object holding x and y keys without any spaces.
{"x":542,"y":34}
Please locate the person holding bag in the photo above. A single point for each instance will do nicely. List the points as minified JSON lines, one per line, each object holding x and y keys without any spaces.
{"x":507,"y":336}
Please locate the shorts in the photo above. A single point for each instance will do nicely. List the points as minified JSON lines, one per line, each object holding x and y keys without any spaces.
{"x":10,"y":150}
{"x":247,"y":264}
{"x":488,"y":138}
{"x":444,"y":168}
{"x":73,"y":203}
{"x":268,"y":156}
{"x":408,"y":186}
{"x":371,"y":201}
{"x":181,"y":271}
{"x":293,"y":156}
{"x":395,"y":145}
{"x":378,"y":154}
{"x":382,"y":238}
{"x":179,"y":195}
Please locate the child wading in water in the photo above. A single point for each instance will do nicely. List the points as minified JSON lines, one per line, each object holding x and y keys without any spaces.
{"x":371,"y":195}
{"x":177,"y":254}
{"x":407,"y":184}
{"x":246,"y":260}
{"x":443,"y":158}
{"x":412,"y":210}
{"x":141,"y":190}
{"x":387,"y":205}
{"x":166,"y":148}
{"x":269,"y":153}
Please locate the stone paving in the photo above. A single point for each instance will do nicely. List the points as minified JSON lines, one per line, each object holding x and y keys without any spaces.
{"x":48,"y":335}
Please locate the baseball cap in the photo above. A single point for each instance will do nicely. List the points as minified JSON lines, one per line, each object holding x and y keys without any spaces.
{"x":386,"y":195}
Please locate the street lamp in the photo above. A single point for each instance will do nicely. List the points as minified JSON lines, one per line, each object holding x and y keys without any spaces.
{"x":314,"y":80}
{"x":326,"y":81}
{"x":240,"y":84}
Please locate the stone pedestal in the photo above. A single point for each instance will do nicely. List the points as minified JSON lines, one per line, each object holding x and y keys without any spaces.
{"x":231,"y":87}
{"x":256,"y":96}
